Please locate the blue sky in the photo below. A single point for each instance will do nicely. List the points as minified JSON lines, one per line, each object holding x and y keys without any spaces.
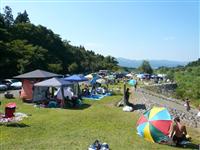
{"x":130,"y":29}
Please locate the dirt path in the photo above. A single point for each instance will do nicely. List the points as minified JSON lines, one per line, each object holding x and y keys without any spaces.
{"x":145,"y":99}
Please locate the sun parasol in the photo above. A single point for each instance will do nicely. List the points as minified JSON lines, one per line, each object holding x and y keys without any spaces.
{"x":132,"y":82}
{"x":154,"y":125}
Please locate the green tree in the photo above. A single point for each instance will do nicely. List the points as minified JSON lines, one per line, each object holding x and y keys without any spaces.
{"x":73,"y":68}
{"x":8,"y":17}
{"x":170,"y":75}
{"x":22,"y":18}
{"x":2,"y":22}
{"x":146,"y":67}
{"x":25,"y":47}
{"x":55,"y":67}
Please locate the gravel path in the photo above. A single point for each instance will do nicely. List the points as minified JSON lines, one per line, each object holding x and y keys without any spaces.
{"x":144,"y":100}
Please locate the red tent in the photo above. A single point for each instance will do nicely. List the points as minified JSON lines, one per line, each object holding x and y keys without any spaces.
{"x":29,"y":79}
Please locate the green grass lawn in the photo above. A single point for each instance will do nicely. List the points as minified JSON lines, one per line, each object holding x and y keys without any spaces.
{"x":76,"y":129}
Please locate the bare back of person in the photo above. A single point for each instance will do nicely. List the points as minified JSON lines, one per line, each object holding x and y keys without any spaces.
{"x":180,"y":130}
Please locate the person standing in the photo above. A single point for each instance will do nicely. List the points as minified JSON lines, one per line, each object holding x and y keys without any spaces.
{"x":127,"y":95}
{"x":187,"y":104}
{"x":135,"y":85}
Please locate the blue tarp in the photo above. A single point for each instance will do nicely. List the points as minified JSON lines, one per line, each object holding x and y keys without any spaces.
{"x":96,"y":96}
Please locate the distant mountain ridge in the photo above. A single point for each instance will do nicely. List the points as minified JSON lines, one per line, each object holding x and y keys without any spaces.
{"x":154,"y":63}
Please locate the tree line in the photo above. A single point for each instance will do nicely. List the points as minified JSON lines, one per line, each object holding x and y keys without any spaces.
{"x":25,"y":47}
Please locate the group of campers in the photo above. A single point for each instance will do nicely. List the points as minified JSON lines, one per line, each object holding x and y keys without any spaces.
{"x":50,"y":90}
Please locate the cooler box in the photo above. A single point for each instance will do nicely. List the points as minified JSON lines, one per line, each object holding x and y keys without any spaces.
{"x":10,"y":110}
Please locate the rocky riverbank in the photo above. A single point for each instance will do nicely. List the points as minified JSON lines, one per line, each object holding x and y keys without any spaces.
{"x":144,"y":99}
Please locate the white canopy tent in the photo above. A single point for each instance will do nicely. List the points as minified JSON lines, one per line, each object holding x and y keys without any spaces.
{"x":41,"y":87}
{"x":53,"y":82}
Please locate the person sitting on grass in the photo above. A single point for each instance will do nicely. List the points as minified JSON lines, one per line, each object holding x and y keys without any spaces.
{"x":127,"y":95}
{"x":178,"y":131}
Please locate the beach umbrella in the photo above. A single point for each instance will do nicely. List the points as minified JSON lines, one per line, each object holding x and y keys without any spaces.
{"x":132,"y":82}
{"x":154,"y":125}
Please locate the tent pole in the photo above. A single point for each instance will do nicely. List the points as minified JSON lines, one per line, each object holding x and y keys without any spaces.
{"x":52,"y":92}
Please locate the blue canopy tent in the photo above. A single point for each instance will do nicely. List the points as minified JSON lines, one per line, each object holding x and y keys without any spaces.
{"x":76,"y":78}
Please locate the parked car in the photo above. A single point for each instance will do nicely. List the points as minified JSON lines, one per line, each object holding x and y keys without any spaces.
{"x":12,"y":83}
{"x":16,"y":85}
{"x":3,"y":87}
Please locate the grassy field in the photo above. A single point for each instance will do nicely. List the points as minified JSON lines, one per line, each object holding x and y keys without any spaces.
{"x":76,"y":129}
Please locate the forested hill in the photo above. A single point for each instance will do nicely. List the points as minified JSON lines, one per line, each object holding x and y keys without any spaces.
{"x":194,"y":63}
{"x":188,"y":80}
{"x":25,"y":47}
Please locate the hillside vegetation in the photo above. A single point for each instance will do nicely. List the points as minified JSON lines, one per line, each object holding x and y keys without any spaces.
{"x":25,"y":47}
{"x":188,"y":80}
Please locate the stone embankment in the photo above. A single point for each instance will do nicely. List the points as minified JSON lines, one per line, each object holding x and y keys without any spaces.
{"x":164,"y":88}
{"x":144,"y":99}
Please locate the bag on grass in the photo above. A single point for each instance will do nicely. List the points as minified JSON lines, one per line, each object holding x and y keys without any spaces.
{"x":95,"y":146}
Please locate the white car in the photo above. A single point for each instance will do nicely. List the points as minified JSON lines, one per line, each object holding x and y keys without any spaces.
{"x":16,"y":85}
{"x":12,"y":84}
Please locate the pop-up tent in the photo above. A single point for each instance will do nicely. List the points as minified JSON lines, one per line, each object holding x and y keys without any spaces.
{"x":37,"y":74}
{"x":76,"y":78}
{"x":53,"y":82}
{"x":29,"y":79}
{"x":40,"y":88}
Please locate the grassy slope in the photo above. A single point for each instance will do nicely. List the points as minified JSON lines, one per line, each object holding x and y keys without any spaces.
{"x":75,"y":129}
